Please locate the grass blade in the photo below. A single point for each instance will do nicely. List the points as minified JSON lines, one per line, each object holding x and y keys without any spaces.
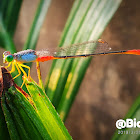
{"x":9,"y":12}
{"x":30,"y":117}
{"x":47,"y":113}
{"x":5,"y":38}
{"x":4,"y":134}
{"x":11,"y":15}
{"x":37,"y":23}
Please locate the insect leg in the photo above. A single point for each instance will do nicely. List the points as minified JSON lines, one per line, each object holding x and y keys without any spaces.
{"x":19,"y":72}
{"x":27,"y":68}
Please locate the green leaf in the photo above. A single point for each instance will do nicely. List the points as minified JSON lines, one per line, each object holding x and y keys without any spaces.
{"x":30,"y":117}
{"x":37,"y":23}
{"x":9,"y":12}
{"x":5,"y":38}
{"x":4,"y":134}
{"x":11,"y":15}
{"x":87,"y":21}
{"x":47,"y":113}
{"x":9,"y":119}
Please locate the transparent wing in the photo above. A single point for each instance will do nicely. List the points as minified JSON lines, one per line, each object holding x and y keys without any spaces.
{"x":90,"y":47}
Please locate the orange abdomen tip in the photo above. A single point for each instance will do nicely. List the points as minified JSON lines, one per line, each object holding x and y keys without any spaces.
{"x":45,"y":58}
{"x":135,"y":52}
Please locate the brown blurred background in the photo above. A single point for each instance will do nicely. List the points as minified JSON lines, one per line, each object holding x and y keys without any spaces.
{"x":111,"y":83}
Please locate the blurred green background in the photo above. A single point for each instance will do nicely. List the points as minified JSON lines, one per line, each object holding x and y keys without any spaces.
{"x":111,"y":83}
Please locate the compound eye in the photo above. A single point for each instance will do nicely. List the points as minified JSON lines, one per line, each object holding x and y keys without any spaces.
{"x":9,"y":58}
